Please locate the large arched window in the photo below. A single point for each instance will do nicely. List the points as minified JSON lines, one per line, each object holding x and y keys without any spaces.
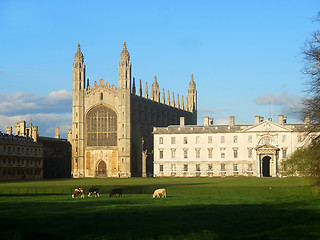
{"x":101,"y":127}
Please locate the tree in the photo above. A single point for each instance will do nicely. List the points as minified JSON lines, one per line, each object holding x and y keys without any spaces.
{"x":306,"y":161}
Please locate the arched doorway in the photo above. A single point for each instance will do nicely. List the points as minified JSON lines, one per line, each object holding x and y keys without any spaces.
{"x":101,"y":170}
{"x":266,"y":166}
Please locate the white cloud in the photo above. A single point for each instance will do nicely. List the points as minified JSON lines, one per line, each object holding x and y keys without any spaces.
{"x":287,"y":104}
{"x":46,"y":112}
{"x":29,"y":103}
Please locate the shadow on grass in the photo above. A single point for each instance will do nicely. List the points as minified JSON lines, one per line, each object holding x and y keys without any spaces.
{"x":127,"y":218}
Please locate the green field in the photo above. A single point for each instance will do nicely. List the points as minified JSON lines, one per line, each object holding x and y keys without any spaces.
{"x":195,"y":208}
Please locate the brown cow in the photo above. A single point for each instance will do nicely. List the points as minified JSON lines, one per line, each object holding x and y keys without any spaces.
{"x":78,"y":191}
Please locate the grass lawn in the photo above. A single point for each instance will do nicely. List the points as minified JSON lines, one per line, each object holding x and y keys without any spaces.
{"x":195,"y":208}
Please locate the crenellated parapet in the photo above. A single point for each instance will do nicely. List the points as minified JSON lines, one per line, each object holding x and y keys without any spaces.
{"x":97,"y":87}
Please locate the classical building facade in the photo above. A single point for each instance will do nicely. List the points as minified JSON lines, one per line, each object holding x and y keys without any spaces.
{"x":226,"y":150}
{"x":112,"y":127}
{"x":25,"y":155}
{"x":21,"y":156}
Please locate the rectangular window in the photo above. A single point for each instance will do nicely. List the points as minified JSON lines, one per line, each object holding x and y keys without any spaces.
{"x":249,"y":152}
{"x":198,"y":167}
{"x":209,"y":139}
{"x":223,"y":167}
{"x":235,"y":139}
{"x":185,"y":167}
{"x":235,"y":167}
{"x":185,"y":140}
{"x":197,"y":139}
{"x":173,"y":140}
{"x":160,"y":140}
{"x":284,"y":138}
{"x":209,"y":152}
{"x":250,"y":167}
{"x":210,"y":167}
{"x":161,"y":168}
{"x":173,"y":153}
{"x":222,"y":139}
{"x":235,"y":153}
{"x":284,"y":153}
{"x":173,"y":167}
{"x":223,"y":154}
{"x":185,"y":153}
{"x":250,"y":139}
{"x":197,"y":153}
{"x":161,"y":154}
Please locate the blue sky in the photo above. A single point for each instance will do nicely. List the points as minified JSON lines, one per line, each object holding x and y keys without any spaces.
{"x":243,"y":54}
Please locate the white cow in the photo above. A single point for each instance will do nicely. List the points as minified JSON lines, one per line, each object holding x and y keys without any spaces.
{"x":161,"y":191}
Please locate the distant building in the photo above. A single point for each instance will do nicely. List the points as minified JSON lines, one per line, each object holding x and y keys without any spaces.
{"x":21,"y":156}
{"x":226,"y":150}
{"x":28,"y":156}
{"x":112,"y":127}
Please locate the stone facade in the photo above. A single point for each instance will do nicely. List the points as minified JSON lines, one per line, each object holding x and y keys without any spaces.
{"x":25,"y":155}
{"x":226,"y":150}
{"x":112,"y":127}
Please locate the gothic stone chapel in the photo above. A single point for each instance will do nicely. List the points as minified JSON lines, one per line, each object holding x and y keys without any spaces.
{"x":112,"y":127}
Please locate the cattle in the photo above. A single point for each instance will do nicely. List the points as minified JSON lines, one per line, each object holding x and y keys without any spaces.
{"x":78,"y":191}
{"x":161,"y":191}
{"x":114,"y":192}
{"x":94,"y":191}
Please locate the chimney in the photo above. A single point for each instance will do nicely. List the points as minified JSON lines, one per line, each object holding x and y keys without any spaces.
{"x":207,"y":121}
{"x":282,"y":119}
{"x":182,"y":121}
{"x":9,"y":130}
{"x":256,"y":120}
{"x":231,"y":121}
{"x":57,"y":133}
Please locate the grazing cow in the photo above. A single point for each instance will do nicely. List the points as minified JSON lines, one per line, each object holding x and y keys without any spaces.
{"x":94,"y":191}
{"x":114,"y":192}
{"x":78,"y":191}
{"x":161,"y":191}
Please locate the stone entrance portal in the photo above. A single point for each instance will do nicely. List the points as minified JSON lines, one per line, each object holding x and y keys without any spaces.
{"x":266,"y":166}
{"x":101,"y":170}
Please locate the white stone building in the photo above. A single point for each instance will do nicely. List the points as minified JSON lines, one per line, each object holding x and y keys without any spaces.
{"x":226,"y":150}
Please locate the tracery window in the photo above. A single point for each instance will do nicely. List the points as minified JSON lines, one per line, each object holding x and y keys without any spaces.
{"x":101,"y":127}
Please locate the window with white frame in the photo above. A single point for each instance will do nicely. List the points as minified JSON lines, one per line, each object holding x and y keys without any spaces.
{"x":197,"y":139}
{"x":284,"y":138}
{"x":197,"y":167}
{"x":249,"y":152}
{"x":185,"y":153}
{"x":222,"y":152}
{"x":209,"y":152}
{"x":173,"y":153}
{"x":284,"y":153}
{"x":185,"y":167}
{"x":197,"y":152}
{"x":250,"y":167}
{"x":185,"y":140}
{"x":160,"y":140}
{"x":173,"y":140}
{"x":235,"y":167}
{"x":235,"y":153}
{"x":209,"y":139}
{"x":210,"y":167}
{"x":223,"y":167}
{"x":250,"y":139}
{"x":161,"y":153}
{"x":161,"y":167}
{"x":173,"y":168}
{"x":235,"y":139}
{"x":222,"y":139}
